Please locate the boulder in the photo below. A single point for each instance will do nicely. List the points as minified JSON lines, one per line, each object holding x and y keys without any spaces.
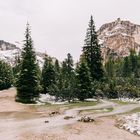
{"x":53,"y":113}
{"x":46,"y":121}
{"x":86,"y":119}
{"x":68,"y":117}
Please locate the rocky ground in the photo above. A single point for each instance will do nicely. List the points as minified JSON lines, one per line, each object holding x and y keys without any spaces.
{"x":130,"y":123}
{"x":32,"y":122}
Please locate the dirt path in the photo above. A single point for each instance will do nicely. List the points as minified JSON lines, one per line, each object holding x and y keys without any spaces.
{"x":7,"y":101}
{"x":32,"y":125}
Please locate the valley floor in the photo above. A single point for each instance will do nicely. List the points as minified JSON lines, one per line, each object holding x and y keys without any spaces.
{"x":27,"y":122}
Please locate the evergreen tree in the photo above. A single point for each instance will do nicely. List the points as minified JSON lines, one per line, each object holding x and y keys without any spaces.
{"x":6,"y":75}
{"x":16,"y":69}
{"x":133,"y":61}
{"x":110,"y":68}
{"x":84,"y":81}
{"x":28,"y":82}
{"x":67,"y":77}
{"x":70,"y":76}
{"x":92,"y":53}
{"x":48,"y":74}
{"x":126,"y":71}
{"x":57,"y":67}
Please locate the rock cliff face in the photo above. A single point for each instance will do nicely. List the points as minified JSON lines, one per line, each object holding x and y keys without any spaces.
{"x":118,"y":38}
{"x":8,"y":53}
{"x":7,"y":46}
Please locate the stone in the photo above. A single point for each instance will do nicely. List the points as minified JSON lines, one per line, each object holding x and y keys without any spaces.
{"x":68,"y":117}
{"x":46,"y":121}
{"x":86,"y":119}
{"x":54,"y":113}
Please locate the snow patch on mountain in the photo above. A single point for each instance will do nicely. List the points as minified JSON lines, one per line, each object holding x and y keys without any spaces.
{"x":9,"y":52}
{"x":117,"y":38}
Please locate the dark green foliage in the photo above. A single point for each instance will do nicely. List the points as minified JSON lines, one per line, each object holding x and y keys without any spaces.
{"x":125,"y":81}
{"x":48,"y":74}
{"x":109,"y":67}
{"x":84,"y":81}
{"x":126,"y":71}
{"x":68,"y":75}
{"x":6,"y":75}
{"x":64,"y":85}
{"x":16,"y":69}
{"x":92,"y":53}
{"x":28,"y":80}
{"x":133,"y":61}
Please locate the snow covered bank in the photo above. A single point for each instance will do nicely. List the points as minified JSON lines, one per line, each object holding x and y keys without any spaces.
{"x":46,"y":98}
{"x":130,"y":123}
{"x":130,"y":100}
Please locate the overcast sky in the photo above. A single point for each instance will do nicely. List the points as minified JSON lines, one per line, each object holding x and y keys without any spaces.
{"x":59,"y":26}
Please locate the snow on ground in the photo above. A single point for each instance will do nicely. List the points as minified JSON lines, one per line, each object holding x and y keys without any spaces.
{"x":131,"y":123}
{"x":46,"y":98}
{"x":131,"y":100}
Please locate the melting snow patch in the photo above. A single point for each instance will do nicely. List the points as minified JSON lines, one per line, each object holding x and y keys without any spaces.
{"x":46,"y":98}
{"x":131,"y":123}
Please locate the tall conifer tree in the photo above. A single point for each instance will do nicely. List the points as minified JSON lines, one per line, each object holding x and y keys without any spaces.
{"x":27,"y":84}
{"x":92,"y":53}
{"x":84,"y":81}
{"x":126,"y":70}
{"x":6,"y":75}
{"x":48,"y":74}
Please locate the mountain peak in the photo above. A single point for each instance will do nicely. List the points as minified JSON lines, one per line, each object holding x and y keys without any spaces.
{"x":7,"y":46}
{"x":118,"y":38}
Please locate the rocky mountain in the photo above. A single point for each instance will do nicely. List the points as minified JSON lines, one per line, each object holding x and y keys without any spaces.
{"x":8,"y":53}
{"x":118,"y":38}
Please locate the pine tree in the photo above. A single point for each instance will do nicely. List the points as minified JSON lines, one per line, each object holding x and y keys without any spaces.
{"x":126,"y":71}
{"x":110,"y":68}
{"x":6,"y":75}
{"x":84,"y":81}
{"x":67,"y":77}
{"x":57,"y":68}
{"x":92,"y":53}
{"x":16,"y":69}
{"x":70,"y":76}
{"x":133,"y":61}
{"x":28,"y":82}
{"x":48,"y":74}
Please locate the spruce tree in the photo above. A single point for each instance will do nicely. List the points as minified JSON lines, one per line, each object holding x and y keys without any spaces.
{"x":57,"y":67}
{"x":110,"y":68}
{"x":133,"y":61}
{"x":84,"y":81}
{"x":16,"y":69}
{"x":126,"y":71}
{"x":92,"y":53}
{"x":28,"y":82}
{"x":67,"y":77}
{"x":48,"y":74}
{"x":6,"y":75}
{"x":70,"y":76}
